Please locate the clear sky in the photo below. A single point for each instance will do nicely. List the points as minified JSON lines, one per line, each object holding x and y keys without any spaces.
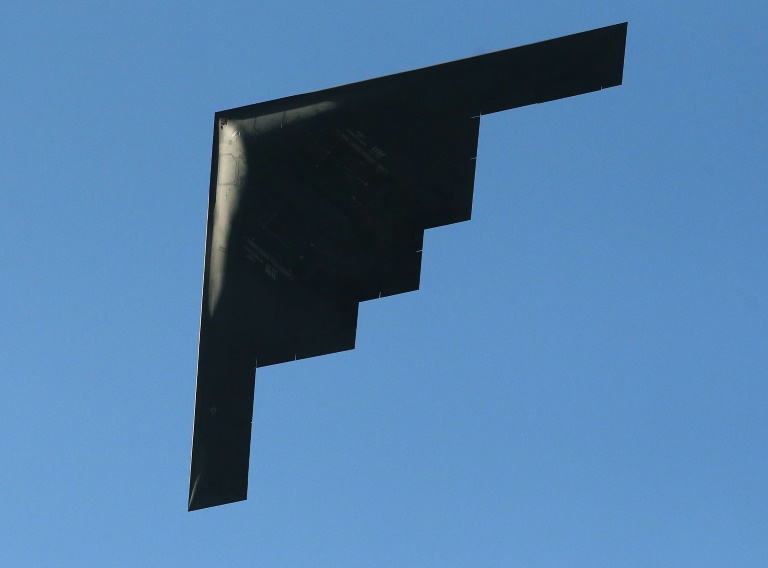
{"x":582,"y":379}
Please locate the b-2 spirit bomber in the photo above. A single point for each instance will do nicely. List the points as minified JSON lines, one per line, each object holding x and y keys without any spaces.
{"x":320,"y":201}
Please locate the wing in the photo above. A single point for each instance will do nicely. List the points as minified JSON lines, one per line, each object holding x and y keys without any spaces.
{"x":320,"y":201}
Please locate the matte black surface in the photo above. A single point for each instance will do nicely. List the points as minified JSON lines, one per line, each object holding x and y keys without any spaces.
{"x":320,"y":201}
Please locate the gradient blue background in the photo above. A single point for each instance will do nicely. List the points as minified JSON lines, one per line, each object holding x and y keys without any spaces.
{"x":581,"y":381}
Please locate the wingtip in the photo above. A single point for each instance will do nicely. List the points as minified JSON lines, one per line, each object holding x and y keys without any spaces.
{"x":205,"y":498}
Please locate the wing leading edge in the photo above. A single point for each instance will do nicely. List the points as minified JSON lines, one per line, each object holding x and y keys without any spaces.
{"x":320,"y":201}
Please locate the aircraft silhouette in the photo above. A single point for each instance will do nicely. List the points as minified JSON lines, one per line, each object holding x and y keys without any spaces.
{"x":320,"y":201}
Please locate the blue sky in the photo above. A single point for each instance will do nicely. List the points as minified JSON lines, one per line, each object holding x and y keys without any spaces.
{"x":580,"y":381}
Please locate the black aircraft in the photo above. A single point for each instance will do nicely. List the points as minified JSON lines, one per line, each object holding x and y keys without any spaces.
{"x":320,"y":201}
